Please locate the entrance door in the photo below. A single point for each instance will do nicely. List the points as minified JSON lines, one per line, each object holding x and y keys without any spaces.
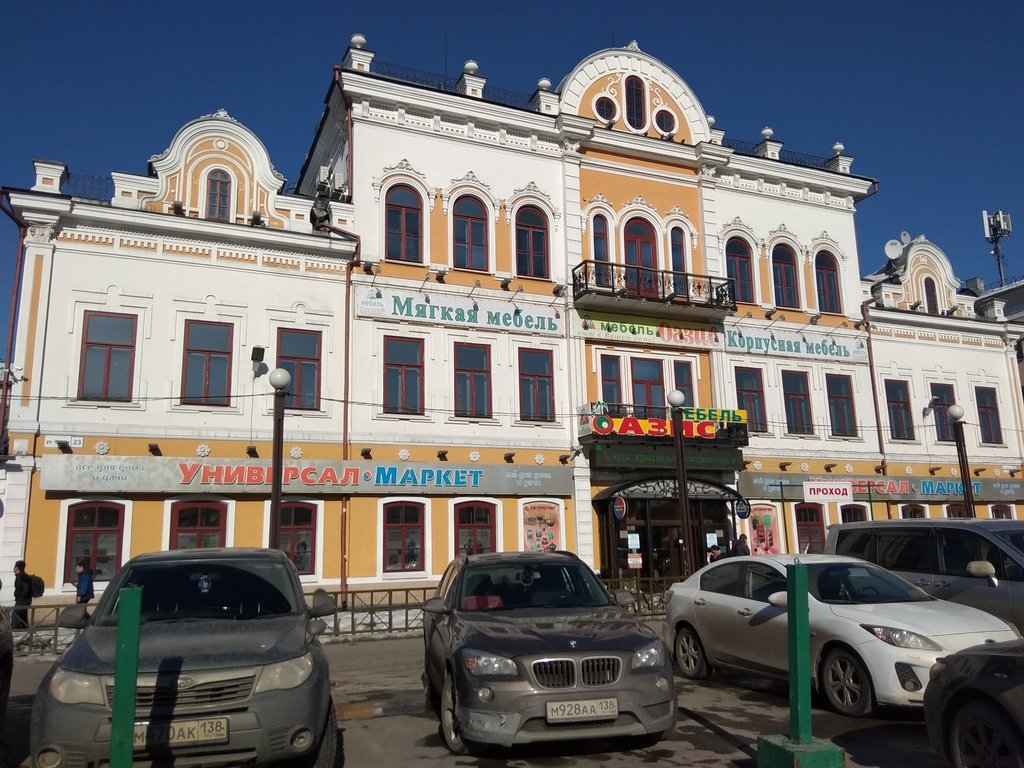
{"x":641,"y":260}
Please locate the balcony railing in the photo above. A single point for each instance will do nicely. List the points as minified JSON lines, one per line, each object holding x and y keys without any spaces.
{"x":605,"y":281}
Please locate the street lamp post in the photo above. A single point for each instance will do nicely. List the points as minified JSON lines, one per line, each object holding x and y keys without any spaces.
{"x":279,"y":380}
{"x":676,"y":399}
{"x":956,"y":415}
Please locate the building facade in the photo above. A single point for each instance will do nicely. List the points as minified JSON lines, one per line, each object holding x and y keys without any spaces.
{"x":483,"y":300}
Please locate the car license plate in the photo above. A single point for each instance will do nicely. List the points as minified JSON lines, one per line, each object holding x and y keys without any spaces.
{"x":181,"y":733}
{"x":586,"y":709}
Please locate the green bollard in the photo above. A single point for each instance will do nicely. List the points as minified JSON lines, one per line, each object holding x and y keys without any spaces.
{"x":800,"y":749}
{"x":126,"y":670}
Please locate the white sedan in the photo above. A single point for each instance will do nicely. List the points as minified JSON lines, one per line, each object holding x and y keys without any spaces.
{"x":874,"y":636}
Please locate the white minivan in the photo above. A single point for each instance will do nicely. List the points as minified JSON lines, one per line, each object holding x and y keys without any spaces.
{"x":971,"y":561}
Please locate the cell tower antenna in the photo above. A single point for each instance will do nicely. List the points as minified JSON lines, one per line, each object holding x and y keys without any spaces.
{"x":997,"y":226}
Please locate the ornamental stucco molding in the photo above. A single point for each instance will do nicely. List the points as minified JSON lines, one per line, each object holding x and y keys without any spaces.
{"x":633,"y":46}
{"x":403,"y":168}
{"x":639,"y":201}
{"x":737,"y":224}
{"x":40,"y":233}
{"x":472,"y":181}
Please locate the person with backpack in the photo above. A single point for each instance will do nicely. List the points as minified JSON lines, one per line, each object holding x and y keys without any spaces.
{"x":22,"y":596}
{"x":84,"y":592}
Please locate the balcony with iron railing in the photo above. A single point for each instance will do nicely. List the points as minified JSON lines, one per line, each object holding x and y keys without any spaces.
{"x":599,"y":285}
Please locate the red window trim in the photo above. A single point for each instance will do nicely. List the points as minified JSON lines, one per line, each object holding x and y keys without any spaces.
{"x":473,"y":411}
{"x":402,"y":233}
{"x":208,"y":355}
{"x":86,"y":317}
{"x":404,"y":367}
{"x":70,"y":558}
{"x":282,"y":530}
{"x":218,"y":195}
{"x":176,"y":528}
{"x":492,"y":526}
{"x":531,"y":229}
{"x":292,"y":400}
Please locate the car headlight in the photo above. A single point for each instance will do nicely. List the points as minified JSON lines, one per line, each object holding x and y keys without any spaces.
{"x":75,"y":688}
{"x":903,"y":638}
{"x":483,"y":664}
{"x":652,"y":655}
{"x":285,"y":674}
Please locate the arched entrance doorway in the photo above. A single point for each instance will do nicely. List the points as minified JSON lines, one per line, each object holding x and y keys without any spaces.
{"x":650,"y":526}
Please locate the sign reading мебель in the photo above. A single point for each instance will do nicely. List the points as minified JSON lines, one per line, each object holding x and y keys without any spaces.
{"x":174,"y":475}
{"x":828,"y":491}
{"x":603,"y":327}
{"x":805,"y":344}
{"x":439,"y":308}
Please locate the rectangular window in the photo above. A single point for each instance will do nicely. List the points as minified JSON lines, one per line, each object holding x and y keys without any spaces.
{"x":897,"y":397}
{"x":108,"y":357}
{"x":611,"y":384}
{"x":403,"y":376}
{"x":206,"y":372}
{"x":295,"y":535}
{"x":840,"y":405}
{"x":942,"y":395}
{"x":536,"y":385}
{"x":682,"y":375}
{"x":750,"y":397}
{"x":403,"y":537}
{"x":852,"y":513}
{"x":988,"y":415}
{"x":1002,"y":512}
{"x":298,"y":352}
{"x":648,"y":388}
{"x":472,"y":380}
{"x":796,"y":397}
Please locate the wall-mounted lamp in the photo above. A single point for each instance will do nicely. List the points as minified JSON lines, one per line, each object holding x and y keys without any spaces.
{"x":933,"y":470}
{"x":251,"y":452}
{"x":784,"y":465}
{"x":915,"y":305}
{"x":935,"y":399}
{"x":256,"y":356}
{"x":564,"y":458}
{"x":439,"y":273}
{"x":1014,"y":472}
{"x":257,"y":220}
{"x":442,"y":455}
{"x":559,"y":289}
{"x":979,"y":470}
{"x":510,"y":456}
{"x":154,"y":448}
{"x":879,"y":469}
{"x":769,"y":314}
{"x":64,"y":446}
{"x":814,"y":319}
{"x":951,"y":311}
{"x":747,"y":463}
{"x":830,"y":467}
{"x":505,"y":283}
{"x":366,"y":453}
{"x":178,"y":208}
{"x":860,"y":325}
{"x":371,"y":267}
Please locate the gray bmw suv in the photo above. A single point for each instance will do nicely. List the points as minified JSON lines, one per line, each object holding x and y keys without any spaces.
{"x":230,"y":671}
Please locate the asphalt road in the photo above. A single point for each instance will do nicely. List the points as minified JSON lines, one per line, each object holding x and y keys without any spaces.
{"x":384,"y":720}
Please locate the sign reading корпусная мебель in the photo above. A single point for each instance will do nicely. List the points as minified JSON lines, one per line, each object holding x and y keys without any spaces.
{"x":811,"y":344}
{"x":126,"y":474}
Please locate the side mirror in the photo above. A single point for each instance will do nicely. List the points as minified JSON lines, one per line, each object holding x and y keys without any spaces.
{"x":323,"y":604}
{"x":74,"y":617}
{"x":983,"y":569}
{"x":317,"y":627}
{"x":779,"y":599}
{"x":624,"y":598}
{"x":434,"y":605}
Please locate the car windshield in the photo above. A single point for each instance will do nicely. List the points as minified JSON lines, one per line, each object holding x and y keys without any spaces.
{"x":506,"y":586}
{"x":838,"y":583}
{"x":1014,"y":537}
{"x":180,"y":591}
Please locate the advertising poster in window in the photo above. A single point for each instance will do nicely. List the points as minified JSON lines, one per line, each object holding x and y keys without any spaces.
{"x":764,"y":530}
{"x":540,"y":527}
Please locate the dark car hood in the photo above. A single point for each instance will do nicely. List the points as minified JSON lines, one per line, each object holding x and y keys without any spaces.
{"x":206,"y":644}
{"x":520,"y":632}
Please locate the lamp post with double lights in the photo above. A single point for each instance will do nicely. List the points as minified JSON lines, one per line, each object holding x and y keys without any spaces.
{"x":956,"y":415}
{"x":279,"y":380}
{"x":676,"y":400}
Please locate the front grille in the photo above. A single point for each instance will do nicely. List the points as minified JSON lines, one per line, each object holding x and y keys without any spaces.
{"x":220,"y":692}
{"x":593,"y":672}
{"x":540,"y":725}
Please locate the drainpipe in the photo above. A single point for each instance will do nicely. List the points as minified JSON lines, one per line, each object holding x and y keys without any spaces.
{"x":5,"y":386}
{"x":874,"y":394}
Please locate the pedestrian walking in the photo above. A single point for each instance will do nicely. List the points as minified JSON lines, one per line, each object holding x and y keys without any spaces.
{"x":22,"y":596}
{"x":84,"y":592}
{"x":741,"y":548}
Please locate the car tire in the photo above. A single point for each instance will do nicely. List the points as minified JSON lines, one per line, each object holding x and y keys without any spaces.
{"x":689,"y":653}
{"x":982,"y":735}
{"x":846,"y":684}
{"x":451,"y":730}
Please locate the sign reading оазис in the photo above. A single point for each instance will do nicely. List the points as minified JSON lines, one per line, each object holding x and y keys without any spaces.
{"x":824,"y":492}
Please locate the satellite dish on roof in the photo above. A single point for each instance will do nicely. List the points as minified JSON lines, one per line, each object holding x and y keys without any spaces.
{"x":893,"y":249}
{"x":905,"y":237}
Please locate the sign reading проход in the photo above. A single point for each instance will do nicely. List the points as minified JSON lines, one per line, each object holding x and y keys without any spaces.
{"x":822,"y":492}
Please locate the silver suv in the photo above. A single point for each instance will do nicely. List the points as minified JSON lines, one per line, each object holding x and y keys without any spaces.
{"x":230,"y":670}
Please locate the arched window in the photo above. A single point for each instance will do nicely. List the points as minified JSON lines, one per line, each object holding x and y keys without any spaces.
{"x":784,"y":277}
{"x":603,"y":274}
{"x":95,"y":531}
{"x":810,"y":528}
{"x":218,"y":196}
{"x":296,"y":534}
{"x":931,"y":299}
{"x":470,"y":235}
{"x":636,"y":109}
{"x":474,"y":528}
{"x":403,"y":537}
{"x":404,"y":216}
{"x":641,"y":259}
{"x":197,"y":524}
{"x":531,"y":243}
{"x":677,"y":248}
{"x":826,"y":276}
{"x":738,"y":267}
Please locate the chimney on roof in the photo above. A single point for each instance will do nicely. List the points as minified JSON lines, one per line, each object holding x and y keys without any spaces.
{"x":470,"y":83}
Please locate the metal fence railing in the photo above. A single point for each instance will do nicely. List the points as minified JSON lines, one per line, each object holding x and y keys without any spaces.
{"x":371,"y":612}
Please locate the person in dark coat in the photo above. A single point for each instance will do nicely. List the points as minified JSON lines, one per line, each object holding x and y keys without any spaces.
{"x":22,"y":596}
{"x":84,"y":592}
{"x":741,"y":548}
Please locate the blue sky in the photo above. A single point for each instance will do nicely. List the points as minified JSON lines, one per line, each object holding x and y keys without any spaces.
{"x":928,"y":97}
